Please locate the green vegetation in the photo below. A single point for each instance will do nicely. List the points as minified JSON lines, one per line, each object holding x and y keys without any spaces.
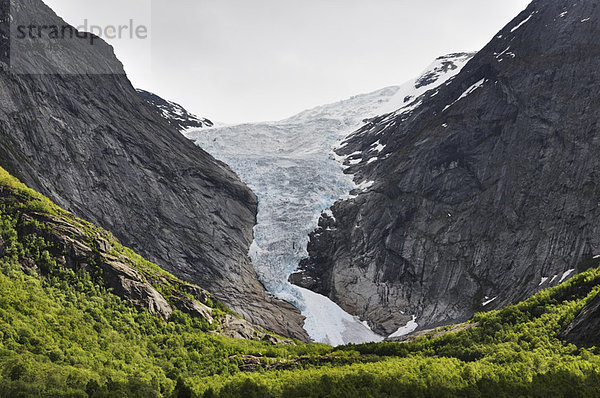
{"x":64,"y":334}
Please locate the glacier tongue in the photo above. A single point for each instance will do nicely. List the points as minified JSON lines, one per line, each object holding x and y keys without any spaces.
{"x":291,"y":167}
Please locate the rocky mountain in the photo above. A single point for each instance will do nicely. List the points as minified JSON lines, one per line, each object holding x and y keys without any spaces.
{"x":73,"y":128}
{"x":482,"y":192}
{"x":291,"y":166}
{"x":482,"y":183}
{"x":176,"y":115}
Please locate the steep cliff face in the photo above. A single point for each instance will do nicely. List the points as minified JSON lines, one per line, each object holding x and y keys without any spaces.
{"x":80,"y":134}
{"x":484,"y":192}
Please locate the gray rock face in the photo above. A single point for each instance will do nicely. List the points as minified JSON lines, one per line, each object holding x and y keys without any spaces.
{"x":487,"y":188}
{"x":93,"y":146}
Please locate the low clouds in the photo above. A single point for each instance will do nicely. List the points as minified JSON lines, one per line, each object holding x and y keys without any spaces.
{"x":240,"y":60}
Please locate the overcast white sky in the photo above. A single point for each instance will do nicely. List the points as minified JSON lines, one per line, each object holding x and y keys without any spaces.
{"x":255,"y":60}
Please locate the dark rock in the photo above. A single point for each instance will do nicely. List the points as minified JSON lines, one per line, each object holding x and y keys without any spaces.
{"x":81,"y":135}
{"x":478,"y":192}
{"x":30,"y":267}
{"x":585,"y":328}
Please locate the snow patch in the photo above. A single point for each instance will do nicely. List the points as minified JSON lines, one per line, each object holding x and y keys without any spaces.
{"x":565,"y":275}
{"x":438,"y":73}
{"x":488,"y":300}
{"x":585,"y":20}
{"x":467,"y":92}
{"x":522,"y":23}
{"x":327,"y":323}
{"x":498,"y":55}
{"x":544,"y":279}
{"x":410,"y":327}
{"x":340,"y":145}
{"x":562,"y":15}
{"x":365,"y":185}
{"x":377,"y":146}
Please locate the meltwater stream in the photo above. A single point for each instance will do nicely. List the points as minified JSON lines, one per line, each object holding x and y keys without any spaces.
{"x":291,"y":167}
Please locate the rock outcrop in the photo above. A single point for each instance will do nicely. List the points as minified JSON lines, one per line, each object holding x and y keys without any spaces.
{"x":484,"y":193}
{"x":73,"y":128}
{"x":585,"y":328}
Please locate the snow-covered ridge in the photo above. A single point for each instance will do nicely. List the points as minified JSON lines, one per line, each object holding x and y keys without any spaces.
{"x":175,"y":114}
{"x":291,"y":167}
{"x":408,"y":98}
{"x":439,"y":72}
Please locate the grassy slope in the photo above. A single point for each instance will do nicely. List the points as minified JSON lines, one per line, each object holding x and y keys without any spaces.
{"x":66,"y":335}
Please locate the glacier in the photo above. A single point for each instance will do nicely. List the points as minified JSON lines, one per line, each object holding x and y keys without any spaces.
{"x":292,"y":168}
